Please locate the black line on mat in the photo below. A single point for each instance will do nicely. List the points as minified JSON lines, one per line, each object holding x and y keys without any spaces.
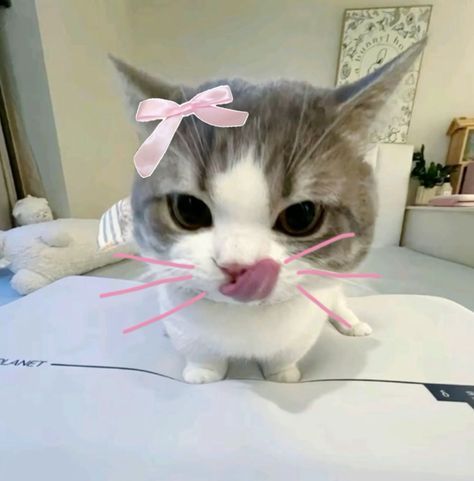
{"x":118,"y":368}
{"x":304,"y":381}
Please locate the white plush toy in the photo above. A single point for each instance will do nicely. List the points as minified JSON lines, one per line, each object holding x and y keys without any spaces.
{"x":43,"y":252}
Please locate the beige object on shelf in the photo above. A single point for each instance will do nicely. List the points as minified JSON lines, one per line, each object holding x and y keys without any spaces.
{"x":425,"y":194}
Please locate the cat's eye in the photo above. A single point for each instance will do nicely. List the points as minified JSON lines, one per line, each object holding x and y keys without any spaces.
{"x":300,"y":219}
{"x":189,"y":212}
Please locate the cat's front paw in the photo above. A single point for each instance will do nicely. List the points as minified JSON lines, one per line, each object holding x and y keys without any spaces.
{"x":359,"y":329}
{"x":290,"y":374}
{"x":201,"y":375}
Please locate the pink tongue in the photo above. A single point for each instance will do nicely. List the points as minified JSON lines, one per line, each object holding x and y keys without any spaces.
{"x":255,"y":283}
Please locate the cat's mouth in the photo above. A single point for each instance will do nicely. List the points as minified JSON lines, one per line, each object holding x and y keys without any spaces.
{"x":255,"y":282}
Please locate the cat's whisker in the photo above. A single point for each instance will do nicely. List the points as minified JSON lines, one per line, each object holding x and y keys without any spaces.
{"x":199,"y":150}
{"x":342,"y":275}
{"x":324,"y":308}
{"x":346,"y":282}
{"x":146,"y":285}
{"x":300,"y":123}
{"x":149,"y":260}
{"x":316,"y":247}
{"x":185,"y":304}
{"x":183,"y":139}
{"x":308,"y":151}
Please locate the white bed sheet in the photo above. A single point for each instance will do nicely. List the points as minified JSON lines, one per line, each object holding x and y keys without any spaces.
{"x":90,"y":405}
{"x":406,"y":271}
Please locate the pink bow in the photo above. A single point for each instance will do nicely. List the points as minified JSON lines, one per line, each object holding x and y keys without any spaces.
{"x":203,"y":106}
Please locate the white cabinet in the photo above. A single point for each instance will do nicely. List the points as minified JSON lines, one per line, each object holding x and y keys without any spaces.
{"x":444,"y":232}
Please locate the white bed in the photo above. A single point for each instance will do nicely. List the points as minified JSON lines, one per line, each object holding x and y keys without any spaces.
{"x":81,"y":401}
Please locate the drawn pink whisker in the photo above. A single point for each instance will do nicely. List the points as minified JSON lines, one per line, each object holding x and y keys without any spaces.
{"x":354,"y":275}
{"x":165,"y":314}
{"x":146,"y":285}
{"x":328,"y":311}
{"x":120,"y":255}
{"x":316,"y":247}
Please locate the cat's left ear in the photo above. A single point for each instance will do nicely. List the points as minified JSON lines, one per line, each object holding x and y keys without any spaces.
{"x":138,"y":85}
{"x":359,"y":103}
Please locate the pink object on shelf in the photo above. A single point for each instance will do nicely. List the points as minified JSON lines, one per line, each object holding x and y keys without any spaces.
{"x":457,"y":200}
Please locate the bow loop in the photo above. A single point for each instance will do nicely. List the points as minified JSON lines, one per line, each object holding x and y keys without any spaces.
{"x":155,"y":109}
{"x":203,"y":106}
{"x":219,"y":117}
{"x":217,"y":95}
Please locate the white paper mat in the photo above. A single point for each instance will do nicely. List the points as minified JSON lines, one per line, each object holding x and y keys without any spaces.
{"x":114,"y":421}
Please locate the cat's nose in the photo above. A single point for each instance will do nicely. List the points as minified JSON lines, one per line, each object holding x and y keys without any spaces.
{"x":233,"y":270}
{"x":250,"y":282}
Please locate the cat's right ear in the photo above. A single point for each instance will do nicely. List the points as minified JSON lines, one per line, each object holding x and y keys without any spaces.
{"x":138,"y":85}
{"x":359,"y":103}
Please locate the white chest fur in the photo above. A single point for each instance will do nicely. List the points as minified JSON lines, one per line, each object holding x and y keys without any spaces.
{"x":247,"y":331}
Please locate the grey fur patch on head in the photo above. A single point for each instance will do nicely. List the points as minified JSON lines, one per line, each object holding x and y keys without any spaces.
{"x":310,"y":142}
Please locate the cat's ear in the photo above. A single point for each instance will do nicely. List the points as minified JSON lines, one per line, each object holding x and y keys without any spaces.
{"x":358,"y":104}
{"x":138,"y":85}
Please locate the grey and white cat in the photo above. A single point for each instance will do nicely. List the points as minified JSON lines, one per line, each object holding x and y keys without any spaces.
{"x":235,"y":202}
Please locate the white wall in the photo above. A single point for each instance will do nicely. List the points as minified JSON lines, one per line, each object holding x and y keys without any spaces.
{"x":192,"y":40}
{"x":23,"y":70}
{"x":300,"y":39}
{"x":95,"y":140}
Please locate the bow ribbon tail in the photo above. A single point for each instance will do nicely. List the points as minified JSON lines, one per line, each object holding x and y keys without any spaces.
{"x":221,"y":117}
{"x":150,"y":153}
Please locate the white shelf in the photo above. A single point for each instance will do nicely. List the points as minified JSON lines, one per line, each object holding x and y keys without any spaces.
{"x":469,"y":210}
{"x":444,"y":232}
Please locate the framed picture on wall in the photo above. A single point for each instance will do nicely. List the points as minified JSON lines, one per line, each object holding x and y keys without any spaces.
{"x":370,"y":38}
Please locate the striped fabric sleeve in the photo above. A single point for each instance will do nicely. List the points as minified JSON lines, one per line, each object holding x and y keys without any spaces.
{"x":115,"y":226}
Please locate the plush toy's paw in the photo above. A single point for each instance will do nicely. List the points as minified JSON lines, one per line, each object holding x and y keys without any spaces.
{"x":201,"y":375}
{"x":289,"y":374}
{"x":358,"y":329}
{"x":4,"y":263}
{"x":56,"y":238}
{"x":25,"y":281}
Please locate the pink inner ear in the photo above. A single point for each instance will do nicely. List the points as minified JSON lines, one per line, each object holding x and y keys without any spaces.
{"x":255,"y":282}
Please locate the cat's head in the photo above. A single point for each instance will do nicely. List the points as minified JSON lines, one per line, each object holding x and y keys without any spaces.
{"x":226,"y":199}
